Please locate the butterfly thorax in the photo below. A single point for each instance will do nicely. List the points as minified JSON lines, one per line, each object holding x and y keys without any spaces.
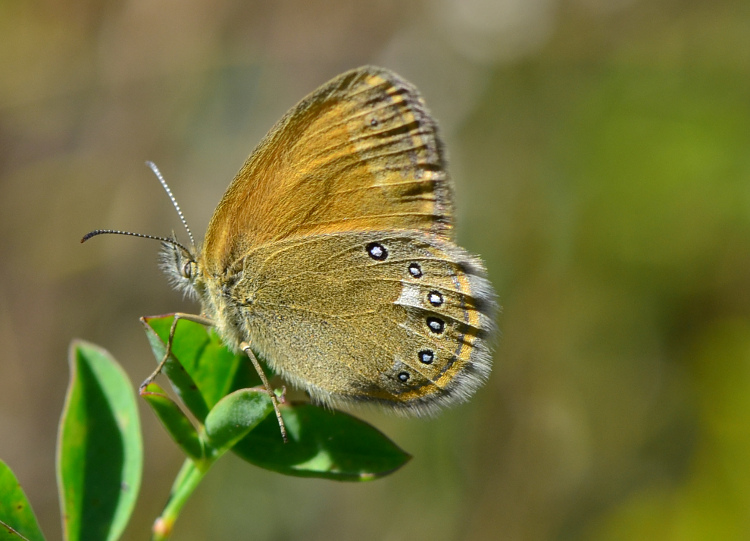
{"x":222,"y":301}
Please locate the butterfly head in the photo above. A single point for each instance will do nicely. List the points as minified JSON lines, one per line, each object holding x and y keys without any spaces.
{"x":179,"y":262}
{"x":182,"y":268}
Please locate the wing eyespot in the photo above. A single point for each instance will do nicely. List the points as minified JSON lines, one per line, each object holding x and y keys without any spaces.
{"x":377,"y":251}
{"x":435,"y":298}
{"x":426,"y":356}
{"x":436,"y":325}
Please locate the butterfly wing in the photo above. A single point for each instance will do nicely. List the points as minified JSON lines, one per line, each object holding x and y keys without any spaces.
{"x":401,"y":318}
{"x":359,"y":154}
{"x":332,"y":253}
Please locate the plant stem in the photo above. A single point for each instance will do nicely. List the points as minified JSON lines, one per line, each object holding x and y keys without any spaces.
{"x":186,"y":482}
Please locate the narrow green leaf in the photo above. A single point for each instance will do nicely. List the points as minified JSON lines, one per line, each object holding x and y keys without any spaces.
{"x":99,"y":448}
{"x":235,"y":416}
{"x":17,"y":520}
{"x":322,"y":443}
{"x":174,"y":420}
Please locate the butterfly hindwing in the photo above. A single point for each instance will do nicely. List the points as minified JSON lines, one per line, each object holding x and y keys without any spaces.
{"x":384,"y":316}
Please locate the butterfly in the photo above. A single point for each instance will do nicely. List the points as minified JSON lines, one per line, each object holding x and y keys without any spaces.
{"x":332,"y":254}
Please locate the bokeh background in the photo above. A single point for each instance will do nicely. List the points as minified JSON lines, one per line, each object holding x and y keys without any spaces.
{"x":601,"y":154}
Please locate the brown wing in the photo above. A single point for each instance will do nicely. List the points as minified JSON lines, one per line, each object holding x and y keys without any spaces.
{"x":361,"y":153}
{"x":409,"y":328}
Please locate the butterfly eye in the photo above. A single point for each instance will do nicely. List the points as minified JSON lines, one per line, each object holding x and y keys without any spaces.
{"x":187,"y":270}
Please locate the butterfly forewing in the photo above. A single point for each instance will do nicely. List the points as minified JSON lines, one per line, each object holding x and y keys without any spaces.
{"x":359,"y":154}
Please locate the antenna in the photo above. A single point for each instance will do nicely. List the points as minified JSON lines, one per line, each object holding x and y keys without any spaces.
{"x":158,"y":174}
{"x":96,"y":232}
{"x":171,"y":241}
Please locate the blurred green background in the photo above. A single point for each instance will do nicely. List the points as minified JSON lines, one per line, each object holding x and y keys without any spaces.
{"x":601,"y":155}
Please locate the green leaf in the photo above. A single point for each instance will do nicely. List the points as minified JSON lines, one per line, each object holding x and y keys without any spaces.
{"x":182,"y":383}
{"x":99,"y":448}
{"x":175,"y":421}
{"x":201,"y":369}
{"x":235,"y":416}
{"x":322,"y":443}
{"x":17,"y":520}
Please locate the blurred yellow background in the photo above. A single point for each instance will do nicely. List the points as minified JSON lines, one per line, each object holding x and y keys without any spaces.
{"x":601,"y":155}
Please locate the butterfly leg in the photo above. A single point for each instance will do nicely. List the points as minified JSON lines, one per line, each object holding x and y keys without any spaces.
{"x":177,"y":317}
{"x":244,"y":346}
